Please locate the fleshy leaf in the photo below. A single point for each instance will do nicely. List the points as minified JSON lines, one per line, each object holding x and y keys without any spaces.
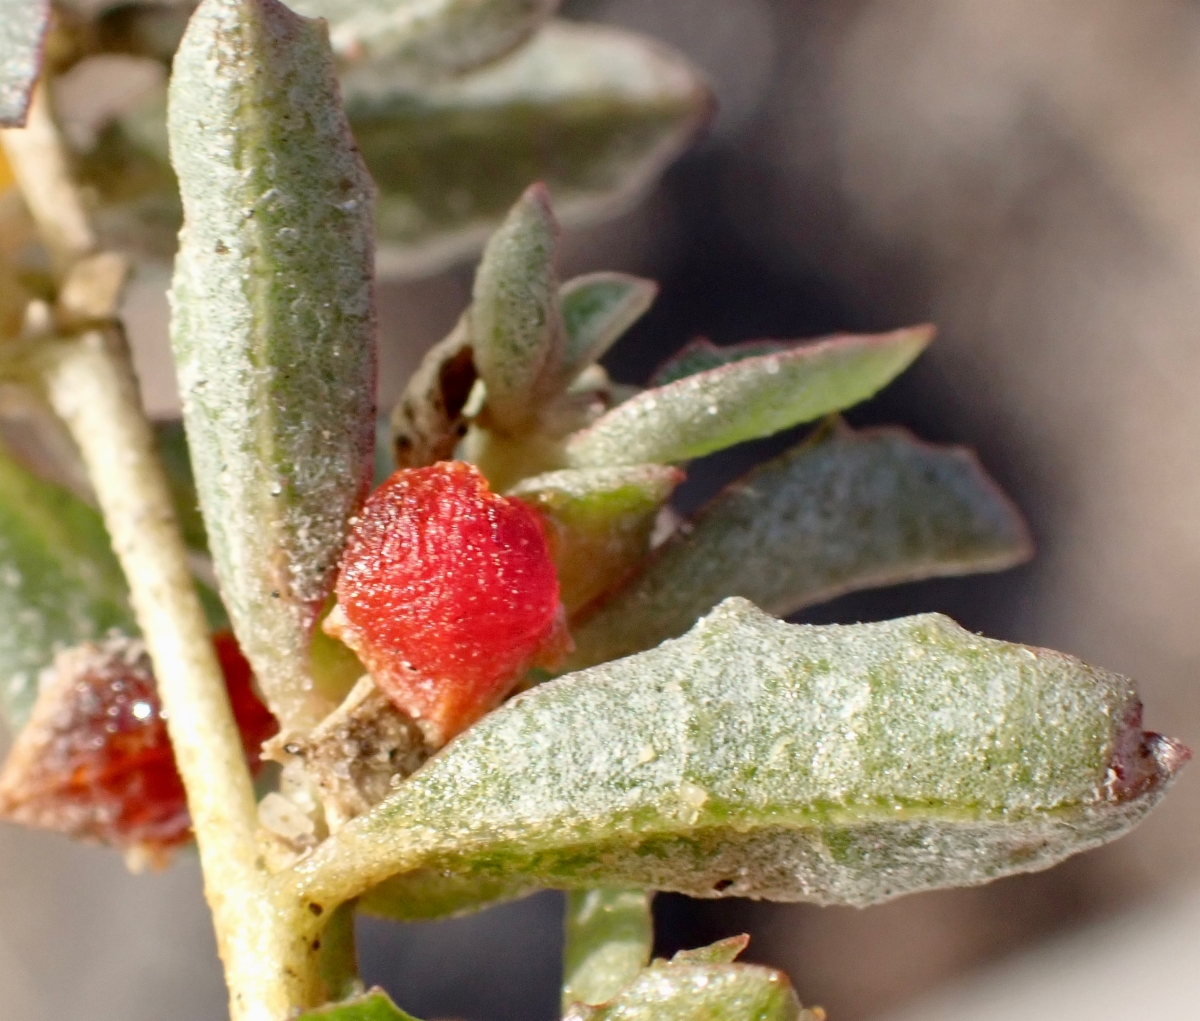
{"x":705,"y":766}
{"x":676,"y":991}
{"x":609,"y":939}
{"x":724,"y":951}
{"x":428,"y":420}
{"x":597,"y":309}
{"x":427,"y":894}
{"x":60,"y":584}
{"x":702,"y":354}
{"x":374,"y":1005}
{"x":596,"y":113}
{"x":22,"y":27}
{"x":600,"y":522}
{"x":428,"y":39}
{"x":515,"y":325}
{"x":746,"y":400}
{"x":273,"y":323}
{"x":845,"y":512}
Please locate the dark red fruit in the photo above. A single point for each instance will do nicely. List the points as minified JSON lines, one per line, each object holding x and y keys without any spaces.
{"x":448,"y":594}
{"x":95,"y":760}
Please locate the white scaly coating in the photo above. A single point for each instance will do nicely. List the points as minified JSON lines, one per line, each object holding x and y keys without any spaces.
{"x":839,"y":764}
{"x":273,"y":322}
{"x":22,"y":25}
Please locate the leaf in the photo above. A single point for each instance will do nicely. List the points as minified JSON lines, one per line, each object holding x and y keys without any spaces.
{"x":600,"y":521}
{"x":515,"y":325}
{"x":724,"y":951}
{"x":273,"y":323}
{"x":609,"y":938}
{"x":674,"y":991}
{"x":60,"y":584}
{"x":22,"y":29}
{"x":428,"y":420}
{"x":746,"y":400}
{"x":597,"y":309}
{"x":427,"y":894}
{"x":596,"y":113}
{"x":848,"y":511}
{"x":835,"y":764}
{"x":428,"y":38}
{"x":375,"y":1005}
{"x":702,"y":354}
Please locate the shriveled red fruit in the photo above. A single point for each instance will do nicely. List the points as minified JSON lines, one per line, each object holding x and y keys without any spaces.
{"x":448,"y":594}
{"x":95,"y":760}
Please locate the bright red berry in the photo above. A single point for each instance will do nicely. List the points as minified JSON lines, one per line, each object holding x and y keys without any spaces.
{"x":95,"y":760}
{"x":448,"y":594}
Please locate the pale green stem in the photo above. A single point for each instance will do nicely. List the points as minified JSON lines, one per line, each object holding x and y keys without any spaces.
{"x":609,"y":939}
{"x":271,"y":968}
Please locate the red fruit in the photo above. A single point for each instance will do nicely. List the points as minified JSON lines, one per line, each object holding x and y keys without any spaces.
{"x":448,"y":594}
{"x":95,"y":760}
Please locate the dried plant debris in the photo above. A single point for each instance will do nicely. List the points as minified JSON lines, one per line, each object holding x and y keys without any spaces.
{"x":358,"y":754}
{"x":708,"y":766}
{"x":95,"y":760}
{"x":429,"y":420}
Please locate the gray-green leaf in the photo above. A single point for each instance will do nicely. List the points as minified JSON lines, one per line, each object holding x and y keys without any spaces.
{"x":22,"y":26}
{"x":515,"y":325}
{"x":844,"y":512}
{"x":702,"y":354}
{"x":60,"y":584}
{"x":596,"y":113}
{"x":597,"y":309}
{"x":834,"y":764}
{"x":745,"y":400}
{"x":679,"y":991}
{"x":273,"y":323}
{"x":374,"y":1005}
{"x":609,"y":936}
{"x":428,"y":39}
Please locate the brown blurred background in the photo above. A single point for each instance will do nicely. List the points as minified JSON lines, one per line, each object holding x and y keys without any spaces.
{"x":1025,"y":174}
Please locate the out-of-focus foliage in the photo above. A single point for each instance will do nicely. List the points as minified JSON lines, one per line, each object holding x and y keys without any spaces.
{"x":22,"y":25}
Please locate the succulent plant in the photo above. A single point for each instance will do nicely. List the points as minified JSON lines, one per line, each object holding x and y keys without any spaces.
{"x":507,"y":664}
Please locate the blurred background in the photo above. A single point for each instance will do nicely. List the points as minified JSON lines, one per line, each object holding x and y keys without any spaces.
{"x":1026,"y":175}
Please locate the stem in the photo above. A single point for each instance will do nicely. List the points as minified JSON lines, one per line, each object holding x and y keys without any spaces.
{"x":90,"y":384}
{"x":271,"y":968}
{"x":609,"y":939}
{"x":39,"y":163}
